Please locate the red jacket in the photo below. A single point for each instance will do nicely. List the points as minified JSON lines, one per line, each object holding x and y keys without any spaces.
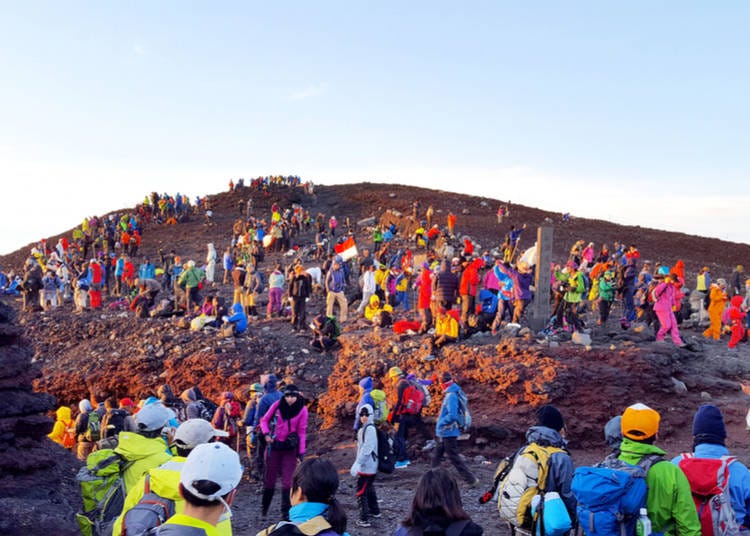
{"x":470,"y":279}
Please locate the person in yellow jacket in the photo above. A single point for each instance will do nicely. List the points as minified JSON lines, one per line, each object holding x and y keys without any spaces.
{"x":164,"y":480}
{"x":446,"y":328}
{"x":718,"y":296}
{"x":64,"y":430}
{"x":145,"y":449}
{"x":208,"y":483}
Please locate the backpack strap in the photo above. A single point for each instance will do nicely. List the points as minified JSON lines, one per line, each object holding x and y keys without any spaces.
{"x":456,"y":528}
{"x":147,"y":484}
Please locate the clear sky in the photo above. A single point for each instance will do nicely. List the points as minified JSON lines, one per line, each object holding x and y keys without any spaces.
{"x":636,"y":112}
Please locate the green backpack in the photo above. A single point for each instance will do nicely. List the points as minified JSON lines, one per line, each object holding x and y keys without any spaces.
{"x":94,"y":428}
{"x":103,"y":491}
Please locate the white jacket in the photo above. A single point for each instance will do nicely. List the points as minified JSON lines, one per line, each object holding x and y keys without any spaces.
{"x":367,"y":445}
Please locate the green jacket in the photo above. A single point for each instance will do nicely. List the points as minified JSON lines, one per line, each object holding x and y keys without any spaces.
{"x":670,"y":503}
{"x":606,"y":290}
{"x":191,"y":277}
{"x":574,"y":284}
{"x":144,"y":453}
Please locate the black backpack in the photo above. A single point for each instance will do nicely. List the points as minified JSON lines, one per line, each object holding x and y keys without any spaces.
{"x":386,"y":453}
{"x":208,"y":409}
{"x":113,"y":423}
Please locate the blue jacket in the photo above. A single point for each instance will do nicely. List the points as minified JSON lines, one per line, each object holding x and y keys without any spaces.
{"x":336,"y":280}
{"x":267,"y":400}
{"x":147,"y":271}
{"x":238,"y":318}
{"x":739,"y":479}
{"x":449,"y":420}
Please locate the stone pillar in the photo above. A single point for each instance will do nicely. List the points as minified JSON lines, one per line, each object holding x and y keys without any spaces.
{"x":539,"y":311}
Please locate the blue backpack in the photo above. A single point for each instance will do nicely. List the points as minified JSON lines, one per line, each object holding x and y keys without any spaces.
{"x":611,"y":494}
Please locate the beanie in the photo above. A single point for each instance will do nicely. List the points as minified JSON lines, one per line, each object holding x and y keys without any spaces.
{"x":708,"y":425}
{"x":366,"y":383}
{"x":640,"y":422}
{"x":550,"y":417}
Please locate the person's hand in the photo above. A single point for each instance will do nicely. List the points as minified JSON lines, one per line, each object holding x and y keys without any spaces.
{"x":354,"y":469}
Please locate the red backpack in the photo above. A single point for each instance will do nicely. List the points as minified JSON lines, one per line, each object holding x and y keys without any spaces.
{"x":709,"y":483}
{"x":413,"y":399}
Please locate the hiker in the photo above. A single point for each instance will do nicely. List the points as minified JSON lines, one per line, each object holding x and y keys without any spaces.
{"x":451,"y":221}
{"x":606,"y":296}
{"x":737,"y":316}
{"x":718,"y":299}
{"x":445,"y":286}
{"x":126,"y":404}
{"x":669,"y":501}
{"x":629,"y":277}
{"x":709,"y":438}
{"x":446,"y":329}
{"x":300,"y":289}
{"x":211,"y":258}
{"x":253,"y":287}
{"x":450,"y":423}
{"x":325,"y":333}
{"x":437,"y":508}
{"x":226,"y":418}
{"x":424,"y":299}
{"x":270,"y":395}
{"x":275,"y":291}
{"x":365,"y":397}
{"x":572,"y":281}
{"x":64,"y":430}
{"x":162,"y":484}
{"x":664,"y":305}
{"x":405,"y":412}
{"x":144,"y":449}
{"x":87,"y":433}
{"x":368,"y":286}
{"x":191,"y":280}
{"x":192,"y":405}
{"x":237,"y":321}
{"x":208,"y":483}
{"x":365,"y":467}
{"x":113,"y":422}
{"x":335,"y":285}
{"x":546,"y":445}
{"x":737,"y":281}
{"x":468,"y":287}
{"x":287,"y":443}
{"x":254,"y":394}
{"x":315,"y":509}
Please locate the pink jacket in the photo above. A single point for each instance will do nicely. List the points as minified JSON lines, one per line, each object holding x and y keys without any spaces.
{"x":664,"y":298}
{"x":284,"y":428}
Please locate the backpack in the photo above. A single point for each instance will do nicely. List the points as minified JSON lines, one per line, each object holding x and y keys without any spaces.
{"x":150,"y":512}
{"x":527,"y":477}
{"x":463,"y":411}
{"x":94,"y":427}
{"x":380,"y":406}
{"x":611,"y":494}
{"x":709,"y":482}
{"x":208,"y":409}
{"x":386,"y":452}
{"x":102,"y":490}
{"x":316,"y":525}
{"x":113,"y":423}
{"x":425,"y":392}
{"x":413,"y":399}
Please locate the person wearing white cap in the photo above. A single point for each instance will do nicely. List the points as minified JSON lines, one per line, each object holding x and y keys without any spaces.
{"x":164,"y":481}
{"x":144,"y":449}
{"x":208,"y":482}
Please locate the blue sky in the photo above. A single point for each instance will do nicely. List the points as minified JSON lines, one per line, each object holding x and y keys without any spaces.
{"x":635,"y":112}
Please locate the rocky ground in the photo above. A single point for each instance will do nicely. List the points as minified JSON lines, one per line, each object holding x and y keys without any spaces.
{"x":505,"y":376}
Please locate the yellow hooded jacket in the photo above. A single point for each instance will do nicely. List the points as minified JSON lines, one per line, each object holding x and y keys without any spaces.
{"x":63,"y":423}
{"x":143,"y":452}
{"x":165,"y":482}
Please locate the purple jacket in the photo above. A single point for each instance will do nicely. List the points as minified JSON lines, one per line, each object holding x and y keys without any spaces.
{"x":283,"y":427}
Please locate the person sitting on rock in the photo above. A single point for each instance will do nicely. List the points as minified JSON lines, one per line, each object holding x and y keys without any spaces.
{"x":237,"y":322}
{"x":325,"y":332}
{"x":446,"y":329}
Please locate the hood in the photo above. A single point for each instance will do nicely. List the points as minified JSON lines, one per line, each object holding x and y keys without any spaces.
{"x":477,"y":263}
{"x":134,"y":446}
{"x":366,"y":383}
{"x":374,"y":300}
{"x":84,"y":406}
{"x":165,"y":480}
{"x":271,"y":383}
{"x":370,"y":411}
{"x":63,"y":414}
{"x":632,"y":451}
{"x":237,"y":308}
{"x":737,"y":300}
{"x":546,"y":436}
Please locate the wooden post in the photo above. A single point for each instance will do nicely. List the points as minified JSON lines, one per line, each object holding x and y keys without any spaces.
{"x":540,"y":305}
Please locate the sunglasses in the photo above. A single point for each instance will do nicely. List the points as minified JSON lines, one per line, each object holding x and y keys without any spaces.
{"x":290,"y":395}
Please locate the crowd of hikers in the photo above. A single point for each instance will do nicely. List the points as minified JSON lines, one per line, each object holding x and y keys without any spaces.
{"x":428,"y":282}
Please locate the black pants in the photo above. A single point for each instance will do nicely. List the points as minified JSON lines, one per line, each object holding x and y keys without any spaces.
{"x":367,"y":499}
{"x":405,"y":422}
{"x":449,"y":447}
{"x":298,"y":313}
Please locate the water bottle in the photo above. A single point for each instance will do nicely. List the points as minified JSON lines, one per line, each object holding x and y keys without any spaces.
{"x":643,"y":525}
{"x":747,"y":417}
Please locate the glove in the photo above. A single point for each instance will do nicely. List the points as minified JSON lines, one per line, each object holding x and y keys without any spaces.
{"x":355,"y":469}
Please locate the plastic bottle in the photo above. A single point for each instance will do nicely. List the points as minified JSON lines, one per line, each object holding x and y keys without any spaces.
{"x":747,"y":417}
{"x":643,"y":525}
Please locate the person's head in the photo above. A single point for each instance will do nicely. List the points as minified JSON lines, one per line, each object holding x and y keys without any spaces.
{"x":640,"y":423}
{"x":722,"y":283}
{"x":446,"y":379}
{"x":150,"y":420}
{"x":365,"y":414}
{"x":550,"y":417}
{"x":613,"y":432}
{"x":374,"y":301}
{"x":209,"y":477}
{"x":194,"y":432}
{"x":365,"y":384}
{"x":84,"y":406}
{"x":291,"y":394}
{"x":127,"y":404}
{"x":395,"y":373}
{"x":708,"y":426}
{"x":316,"y":480}
{"x":437,"y":496}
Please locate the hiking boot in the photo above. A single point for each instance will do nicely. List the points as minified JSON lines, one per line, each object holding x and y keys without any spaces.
{"x":363,"y":523}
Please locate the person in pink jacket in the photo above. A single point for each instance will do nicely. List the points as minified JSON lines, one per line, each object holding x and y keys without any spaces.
{"x":285,"y":428}
{"x":664,"y":304}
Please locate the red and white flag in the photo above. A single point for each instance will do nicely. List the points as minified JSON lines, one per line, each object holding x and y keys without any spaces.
{"x":347,"y":249}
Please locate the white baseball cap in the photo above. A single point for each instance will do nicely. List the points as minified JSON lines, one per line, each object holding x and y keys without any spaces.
{"x":194,"y":432}
{"x":214,"y":462}
{"x":152,"y":417}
